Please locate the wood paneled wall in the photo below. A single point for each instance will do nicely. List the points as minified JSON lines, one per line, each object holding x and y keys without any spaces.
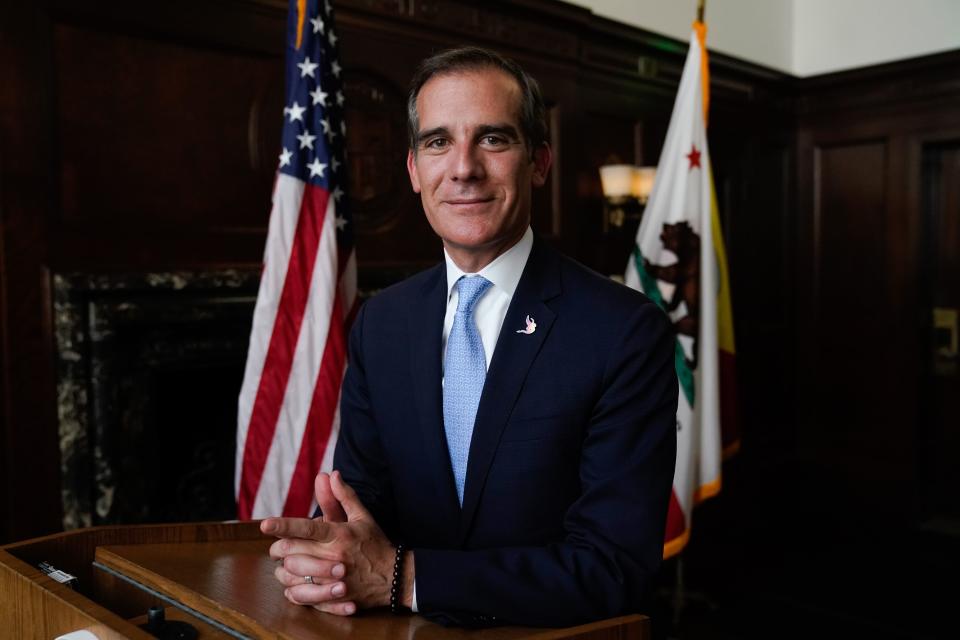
{"x":863,"y":318}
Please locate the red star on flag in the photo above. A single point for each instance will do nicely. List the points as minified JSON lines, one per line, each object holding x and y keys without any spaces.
{"x":694,"y":157}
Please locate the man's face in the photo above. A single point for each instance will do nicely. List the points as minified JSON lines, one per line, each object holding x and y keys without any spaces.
{"x":471,"y":167}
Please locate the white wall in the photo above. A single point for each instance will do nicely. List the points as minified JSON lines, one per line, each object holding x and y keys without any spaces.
{"x":755,"y":30}
{"x":802,"y":37}
{"x":831,"y":35}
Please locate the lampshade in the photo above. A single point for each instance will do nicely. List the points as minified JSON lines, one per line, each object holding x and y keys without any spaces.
{"x":617,"y":180}
{"x":624,"y":180}
{"x":642,"y":182}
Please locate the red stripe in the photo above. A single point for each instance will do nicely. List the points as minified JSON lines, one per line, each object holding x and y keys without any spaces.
{"x":323,"y":406}
{"x":676,"y":523}
{"x":283,"y":342}
{"x":326,"y":395}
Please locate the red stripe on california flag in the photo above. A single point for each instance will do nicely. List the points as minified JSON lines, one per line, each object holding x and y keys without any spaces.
{"x":676,"y":522}
{"x":323,"y":407}
{"x":283,"y":343}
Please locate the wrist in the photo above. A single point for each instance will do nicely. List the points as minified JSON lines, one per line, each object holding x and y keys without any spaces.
{"x":397,"y":595}
{"x":408,"y":578}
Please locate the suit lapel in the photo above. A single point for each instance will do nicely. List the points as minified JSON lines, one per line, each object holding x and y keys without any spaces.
{"x":511,"y":361}
{"x":426,"y":333}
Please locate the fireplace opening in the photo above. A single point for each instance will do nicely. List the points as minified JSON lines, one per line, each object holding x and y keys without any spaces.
{"x":149,"y":371}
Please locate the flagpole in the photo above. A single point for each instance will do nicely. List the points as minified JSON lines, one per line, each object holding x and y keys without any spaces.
{"x":701,"y":8}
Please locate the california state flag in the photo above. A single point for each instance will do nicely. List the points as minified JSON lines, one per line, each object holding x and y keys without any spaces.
{"x":679,"y":262}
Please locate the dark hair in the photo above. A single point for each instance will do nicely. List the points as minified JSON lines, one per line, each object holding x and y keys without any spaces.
{"x":533,"y":118}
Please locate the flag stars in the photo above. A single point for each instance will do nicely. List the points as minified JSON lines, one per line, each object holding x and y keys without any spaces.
{"x":295,"y":112}
{"x":335,"y":67}
{"x":340,"y":98}
{"x":317,"y":24}
{"x":341,"y":222}
{"x":337,"y":192}
{"x":307,"y":68}
{"x":316,"y":168}
{"x":285,"y":157}
{"x":694,"y":157}
{"x":343,"y":127}
{"x":332,"y":37}
{"x":334,"y":164}
{"x":319,"y":96}
{"x":306,"y":140}
{"x":328,"y":130}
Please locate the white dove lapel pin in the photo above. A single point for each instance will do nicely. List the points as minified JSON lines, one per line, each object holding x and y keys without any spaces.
{"x":531,"y":326}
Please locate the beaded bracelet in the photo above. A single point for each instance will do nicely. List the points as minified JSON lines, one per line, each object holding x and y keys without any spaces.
{"x":397,"y":577}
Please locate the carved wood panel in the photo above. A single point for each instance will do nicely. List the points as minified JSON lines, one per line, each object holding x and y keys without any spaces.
{"x":939,"y":420}
{"x":850,"y":243}
{"x":155,"y":134}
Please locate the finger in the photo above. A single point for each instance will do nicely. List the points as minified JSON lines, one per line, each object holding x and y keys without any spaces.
{"x":315,"y":593}
{"x":329,"y":505}
{"x":306,"y":565}
{"x":347,"y":497}
{"x":297,"y":528}
{"x":291,"y":579}
{"x":294,"y":546}
{"x":337,"y":608}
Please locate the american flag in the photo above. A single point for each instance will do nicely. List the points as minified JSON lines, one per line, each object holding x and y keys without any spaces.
{"x":288,"y":413}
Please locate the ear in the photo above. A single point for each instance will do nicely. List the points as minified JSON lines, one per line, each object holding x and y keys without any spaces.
{"x":412,"y":170}
{"x":542,"y":159}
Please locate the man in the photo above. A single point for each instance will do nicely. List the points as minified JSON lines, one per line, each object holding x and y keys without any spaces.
{"x":508,"y":416}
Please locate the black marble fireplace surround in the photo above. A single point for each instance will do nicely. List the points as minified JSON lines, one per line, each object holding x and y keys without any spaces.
{"x":149,"y":369}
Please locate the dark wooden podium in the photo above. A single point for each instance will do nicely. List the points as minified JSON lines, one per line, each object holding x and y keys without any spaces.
{"x":217,"y":577}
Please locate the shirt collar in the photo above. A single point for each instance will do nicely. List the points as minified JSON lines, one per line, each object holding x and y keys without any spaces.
{"x":505,"y":270}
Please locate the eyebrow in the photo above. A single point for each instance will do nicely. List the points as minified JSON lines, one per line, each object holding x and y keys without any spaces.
{"x":429,"y":133}
{"x":507,"y":130}
{"x":504,"y":129}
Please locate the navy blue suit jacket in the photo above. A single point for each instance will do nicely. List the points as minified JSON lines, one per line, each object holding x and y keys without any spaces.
{"x":572,"y":457}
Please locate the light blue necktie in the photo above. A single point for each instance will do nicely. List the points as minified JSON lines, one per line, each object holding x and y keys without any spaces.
{"x":464,"y":370}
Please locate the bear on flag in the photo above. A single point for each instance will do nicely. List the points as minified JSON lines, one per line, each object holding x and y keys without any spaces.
{"x":680,"y":263}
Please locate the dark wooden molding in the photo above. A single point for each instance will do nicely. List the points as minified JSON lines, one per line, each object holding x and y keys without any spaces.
{"x":27,"y":196}
{"x":922,"y":83}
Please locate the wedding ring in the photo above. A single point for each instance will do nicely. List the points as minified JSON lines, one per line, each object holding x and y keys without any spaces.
{"x":308,"y":579}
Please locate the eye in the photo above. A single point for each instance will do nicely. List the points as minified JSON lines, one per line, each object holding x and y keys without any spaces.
{"x":436,"y":144}
{"x":494,"y":140}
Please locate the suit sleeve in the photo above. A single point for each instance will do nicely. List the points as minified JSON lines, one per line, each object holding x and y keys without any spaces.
{"x":613,"y":543}
{"x":359,"y":454}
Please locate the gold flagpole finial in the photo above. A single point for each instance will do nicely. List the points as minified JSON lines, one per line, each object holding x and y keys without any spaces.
{"x":701,"y":7}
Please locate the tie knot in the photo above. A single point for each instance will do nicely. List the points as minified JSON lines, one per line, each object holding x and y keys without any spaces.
{"x":469,"y":290}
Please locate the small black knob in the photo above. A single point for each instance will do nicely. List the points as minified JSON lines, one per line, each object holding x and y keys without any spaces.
{"x":155,"y":619}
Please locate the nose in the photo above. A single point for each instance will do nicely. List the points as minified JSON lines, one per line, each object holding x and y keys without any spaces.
{"x":467,"y":164}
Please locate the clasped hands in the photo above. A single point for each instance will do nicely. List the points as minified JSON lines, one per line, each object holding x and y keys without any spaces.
{"x":344,"y":552}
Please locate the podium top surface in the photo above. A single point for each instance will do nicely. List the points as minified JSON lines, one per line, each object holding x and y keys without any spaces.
{"x":232,"y":582}
{"x":218,"y":576}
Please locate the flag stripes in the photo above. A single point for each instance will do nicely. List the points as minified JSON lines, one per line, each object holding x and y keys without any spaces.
{"x":288,"y":416}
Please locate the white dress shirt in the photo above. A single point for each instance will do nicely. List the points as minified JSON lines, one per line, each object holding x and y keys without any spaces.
{"x":504,"y":274}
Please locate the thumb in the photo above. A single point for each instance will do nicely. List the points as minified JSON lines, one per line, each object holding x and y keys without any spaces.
{"x":328,"y":503}
{"x":348,"y":499}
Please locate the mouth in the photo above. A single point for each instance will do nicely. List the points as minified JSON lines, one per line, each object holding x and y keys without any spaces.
{"x":468,"y":201}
